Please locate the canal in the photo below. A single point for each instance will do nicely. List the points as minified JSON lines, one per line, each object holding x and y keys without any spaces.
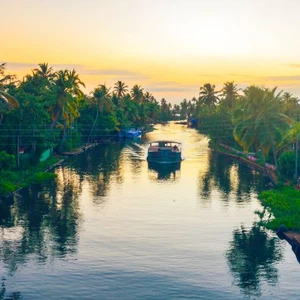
{"x":111,"y":227}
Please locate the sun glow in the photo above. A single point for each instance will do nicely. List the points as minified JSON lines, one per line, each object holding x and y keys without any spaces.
{"x":151,"y":43}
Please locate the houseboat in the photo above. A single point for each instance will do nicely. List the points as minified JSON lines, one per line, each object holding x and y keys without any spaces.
{"x":164,"y":152}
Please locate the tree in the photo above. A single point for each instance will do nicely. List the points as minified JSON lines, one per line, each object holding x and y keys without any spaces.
{"x":102,"y":102}
{"x":7,"y":101}
{"x":5,"y":80}
{"x":120,"y":88}
{"x":230,"y":94}
{"x":137,"y":93}
{"x":295,"y":135}
{"x":68,"y":92}
{"x":68,"y":96}
{"x":291,"y":105}
{"x":44,"y":71}
{"x":208,"y":95}
{"x":261,"y":124}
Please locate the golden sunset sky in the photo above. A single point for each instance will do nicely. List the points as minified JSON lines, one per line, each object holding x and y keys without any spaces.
{"x":169,"y":47}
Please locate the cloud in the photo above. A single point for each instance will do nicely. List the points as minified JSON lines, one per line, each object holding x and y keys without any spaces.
{"x":115,"y":74}
{"x":284,"y":78}
{"x":294,"y":65}
{"x":80,"y":69}
{"x":20,"y":66}
{"x":108,"y":72}
{"x":209,"y":75}
{"x":170,"y":86}
{"x":244,"y":76}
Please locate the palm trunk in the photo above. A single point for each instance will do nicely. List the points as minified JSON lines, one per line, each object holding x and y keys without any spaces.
{"x":92,"y":129}
{"x":63,"y":140}
{"x":274,"y":156}
{"x":18,"y":150}
{"x":296,"y":158}
{"x":55,"y":120}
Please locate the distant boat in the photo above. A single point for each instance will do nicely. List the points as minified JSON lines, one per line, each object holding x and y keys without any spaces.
{"x":164,"y":152}
{"x":130,"y":133}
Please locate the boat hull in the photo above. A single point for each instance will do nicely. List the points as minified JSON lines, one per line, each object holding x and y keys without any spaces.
{"x":164,"y":157}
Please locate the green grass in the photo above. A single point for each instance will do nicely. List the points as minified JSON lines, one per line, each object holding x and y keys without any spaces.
{"x":10,"y":181}
{"x":282,"y":207}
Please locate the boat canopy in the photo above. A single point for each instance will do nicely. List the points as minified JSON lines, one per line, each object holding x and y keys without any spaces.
{"x":164,"y":143}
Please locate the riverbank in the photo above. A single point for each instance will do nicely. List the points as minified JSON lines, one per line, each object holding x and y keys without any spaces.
{"x":13,"y":181}
{"x":247,"y":159}
{"x":281,"y":204}
{"x":281,"y":208}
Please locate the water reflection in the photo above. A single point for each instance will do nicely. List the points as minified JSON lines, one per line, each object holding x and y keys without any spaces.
{"x":119,"y":243}
{"x":45,"y":222}
{"x":229,"y":176}
{"x":164,"y":171}
{"x":11,"y":296}
{"x":98,"y":166}
{"x":252,"y":259}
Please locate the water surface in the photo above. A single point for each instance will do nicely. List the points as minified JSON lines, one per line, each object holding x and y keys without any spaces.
{"x":112,"y":227}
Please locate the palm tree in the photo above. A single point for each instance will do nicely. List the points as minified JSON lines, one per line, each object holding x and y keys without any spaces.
{"x":67,"y":85}
{"x":294,"y":134}
{"x":101,"y":99}
{"x":230,"y":94}
{"x":208,"y":95}
{"x":44,"y":71}
{"x":291,"y":104}
{"x":68,"y":96}
{"x":137,"y":93}
{"x":261,"y":124}
{"x":121,"y":89}
{"x":6,"y":99}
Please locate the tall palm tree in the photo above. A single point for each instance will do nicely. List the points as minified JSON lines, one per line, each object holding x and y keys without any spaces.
{"x":6,"y":99}
{"x":261,"y":124}
{"x":67,"y":85}
{"x":148,"y":97}
{"x":294,"y":134}
{"x":208,"y":96}
{"x":44,"y":71}
{"x":291,"y":105}
{"x":137,"y":93}
{"x":102,"y":101}
{"x":230,"y":94}
{"x":120,"y":88}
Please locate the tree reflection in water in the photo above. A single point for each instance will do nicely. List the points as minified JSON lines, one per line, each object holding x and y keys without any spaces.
{"x":45,"y":222}
{"x":98,"y":166}
{"x":42,"y":220}
{"x":252,"y":257}
{"x":229,"y":176}
{"x":11,"y":296}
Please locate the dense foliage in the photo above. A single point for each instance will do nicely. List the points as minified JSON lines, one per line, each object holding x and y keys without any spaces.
{"x":281,"y":207}
{"x":48,"y":110}
{"x":257,"y":121}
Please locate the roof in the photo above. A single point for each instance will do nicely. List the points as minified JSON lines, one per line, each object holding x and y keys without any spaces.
{"x":164,"y":141}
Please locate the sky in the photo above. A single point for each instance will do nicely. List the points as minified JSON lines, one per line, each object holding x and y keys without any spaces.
{"x":169,"y":47}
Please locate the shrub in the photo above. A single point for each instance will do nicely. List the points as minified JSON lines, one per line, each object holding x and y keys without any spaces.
{"x":7,"y":161}
{"x":286,"y":164}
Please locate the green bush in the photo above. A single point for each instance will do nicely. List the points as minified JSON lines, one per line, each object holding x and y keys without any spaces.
{"x":6,"y":187}
{"x":286,"y":164}
{"x":282,"y":207}
{"x":40,"y":177}
{"x":7,"y":161}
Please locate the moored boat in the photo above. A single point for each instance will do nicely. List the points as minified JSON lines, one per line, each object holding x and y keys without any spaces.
{"x":130,"y":133}
{"x":164,"y":152}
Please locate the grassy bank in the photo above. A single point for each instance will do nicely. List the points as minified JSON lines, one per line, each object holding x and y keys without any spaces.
{"x":11,"y":181}
{"x":281,"y":207}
